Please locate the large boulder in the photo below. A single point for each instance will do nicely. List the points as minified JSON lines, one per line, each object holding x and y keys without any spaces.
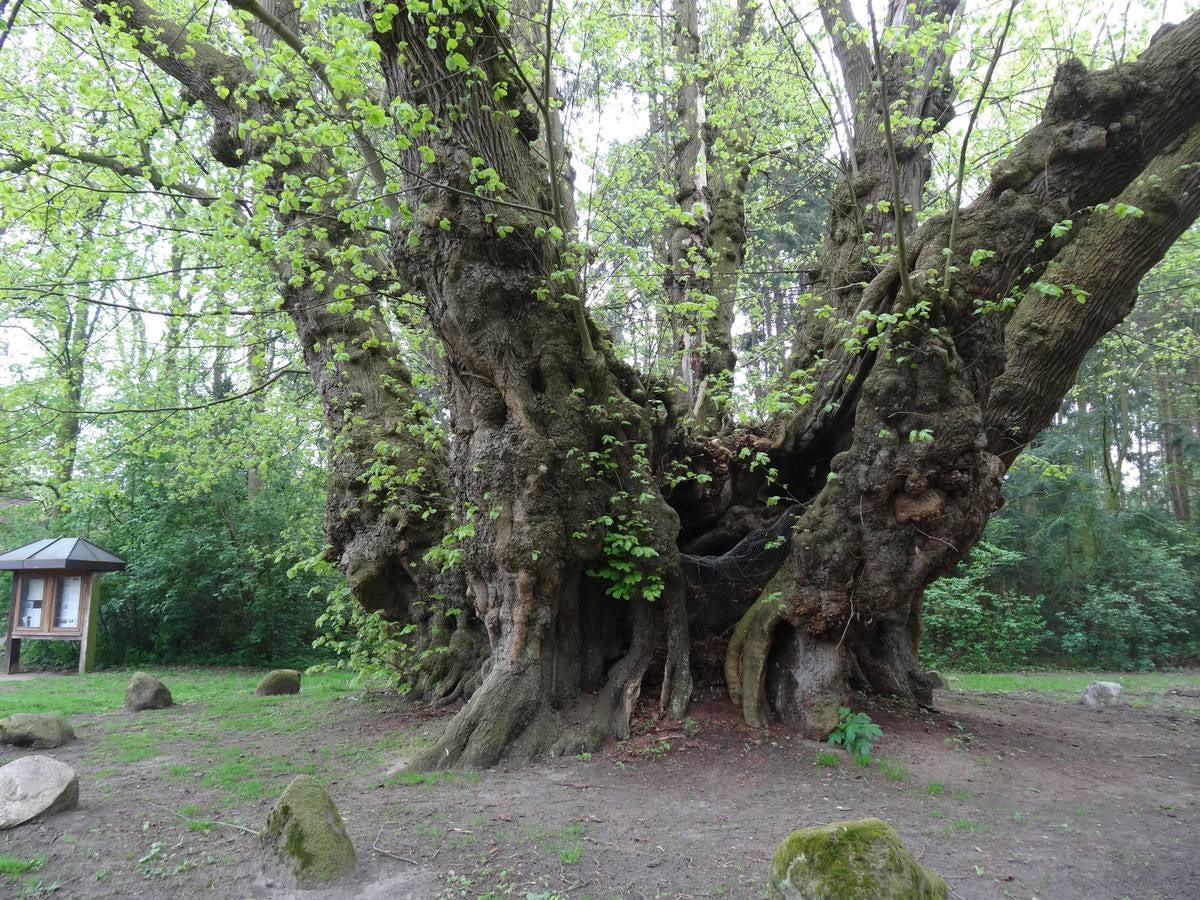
{"x":1100,"y":694}
{"x":35,"y":786}
{"x":37,"y":731}
{"x":858,"y":860}
{"x":145,"y":692}
{"x":305,"y":835}
{"x":280,"y":681}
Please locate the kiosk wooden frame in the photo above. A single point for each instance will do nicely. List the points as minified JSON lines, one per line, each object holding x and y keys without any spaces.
{"x":54,"y":594}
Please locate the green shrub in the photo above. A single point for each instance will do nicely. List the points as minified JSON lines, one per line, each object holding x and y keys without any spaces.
{"x":969,"y":626}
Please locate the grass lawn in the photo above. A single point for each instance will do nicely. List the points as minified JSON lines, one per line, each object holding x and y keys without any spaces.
{"x":224,"y":690}
{"x":1142,"y":683}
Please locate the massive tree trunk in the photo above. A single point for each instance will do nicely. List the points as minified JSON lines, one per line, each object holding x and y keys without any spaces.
{"x":707,"y":244}
{"x":688,"y":279}
{"x":954,"y":392}
{"x":569,"y":555}
{"x":548,"y":503}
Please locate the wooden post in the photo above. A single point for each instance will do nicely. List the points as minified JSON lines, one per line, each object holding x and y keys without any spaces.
{"x":12,"y":645}
{"x":87,"y":645}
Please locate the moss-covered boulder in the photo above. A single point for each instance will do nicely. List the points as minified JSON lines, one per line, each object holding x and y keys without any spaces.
{"x":279,"y":681}
{"x":305,"y":835}
{"x":37,"y":731}
{"x":858,"y":860}
{"x":145,"y":692}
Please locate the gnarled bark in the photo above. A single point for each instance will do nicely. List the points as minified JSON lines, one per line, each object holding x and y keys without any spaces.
{"x":542,"y":427}
{"x":548,"y":496}
{"x":952,"y":396}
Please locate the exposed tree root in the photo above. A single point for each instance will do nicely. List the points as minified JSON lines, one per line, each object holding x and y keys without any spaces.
{"x":746,"y":659}
{"x":508,"y":714}
{"x":677,"y":672}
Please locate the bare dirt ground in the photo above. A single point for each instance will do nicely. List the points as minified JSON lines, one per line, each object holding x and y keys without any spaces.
{"x":1005,"y":795}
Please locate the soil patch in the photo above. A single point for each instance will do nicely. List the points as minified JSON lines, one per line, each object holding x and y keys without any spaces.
{"x":1004,"y":795}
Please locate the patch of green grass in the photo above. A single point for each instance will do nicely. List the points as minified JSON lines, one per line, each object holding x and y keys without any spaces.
{"x":827,"y":759}
{"x":935,"y":788}
{"x":239,"y":778}
{"x":285,"y":766}
{"x":571,"y":855}
{"x":132,"y":746}
{"x":412,"y":779}
{"x":180,"y":770}
{"x":892,"y":769}
{"x":249,"y":790}
{"x":229,"y":693}
{"x":1073,"y":682}
{"x":33,"y":886}
{"x":405,"y":777}
{"x":565,"y":841}
{"x":14,"y":865}
{"x":963,"y":826}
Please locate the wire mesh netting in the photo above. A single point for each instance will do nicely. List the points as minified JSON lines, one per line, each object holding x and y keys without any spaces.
{"x":723,"y":586}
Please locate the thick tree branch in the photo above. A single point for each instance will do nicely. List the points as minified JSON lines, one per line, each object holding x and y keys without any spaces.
{"x":1098,"y":275}
{"x":125,"y":170}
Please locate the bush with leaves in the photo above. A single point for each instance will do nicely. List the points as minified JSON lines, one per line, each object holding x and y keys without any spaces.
{"x":208,"y":575}
{"x":970,"y":625}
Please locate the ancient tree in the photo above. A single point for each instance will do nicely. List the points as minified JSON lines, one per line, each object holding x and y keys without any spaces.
{"x":404,"y":169}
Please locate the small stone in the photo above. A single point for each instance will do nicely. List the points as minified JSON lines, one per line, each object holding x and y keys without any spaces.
{"x":305,"y":835}
{"x":35,"y":786}
{"x":936,"y":680}
{"x":145,"y":692}
{"x":37,"y":731}
{"x":1100,"y":694}
{"x":279,"y":681}
{"x":854,"y":860}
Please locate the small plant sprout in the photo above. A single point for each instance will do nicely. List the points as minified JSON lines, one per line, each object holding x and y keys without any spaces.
{"x":856,"y":732}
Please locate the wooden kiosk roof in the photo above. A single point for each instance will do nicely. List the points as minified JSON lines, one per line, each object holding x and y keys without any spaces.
{"x":61,"y":554}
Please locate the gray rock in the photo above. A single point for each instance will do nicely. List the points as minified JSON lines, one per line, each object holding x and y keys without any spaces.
{"x":35,"y":786}
{"x":937,"y":680}
{"x":280,"y":681}
{"x":305,"y":835}
{"x":145,"y":692}
{"x":1100,"y":694}
{"x":859,"y":860}
{"x":37,"y":731}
